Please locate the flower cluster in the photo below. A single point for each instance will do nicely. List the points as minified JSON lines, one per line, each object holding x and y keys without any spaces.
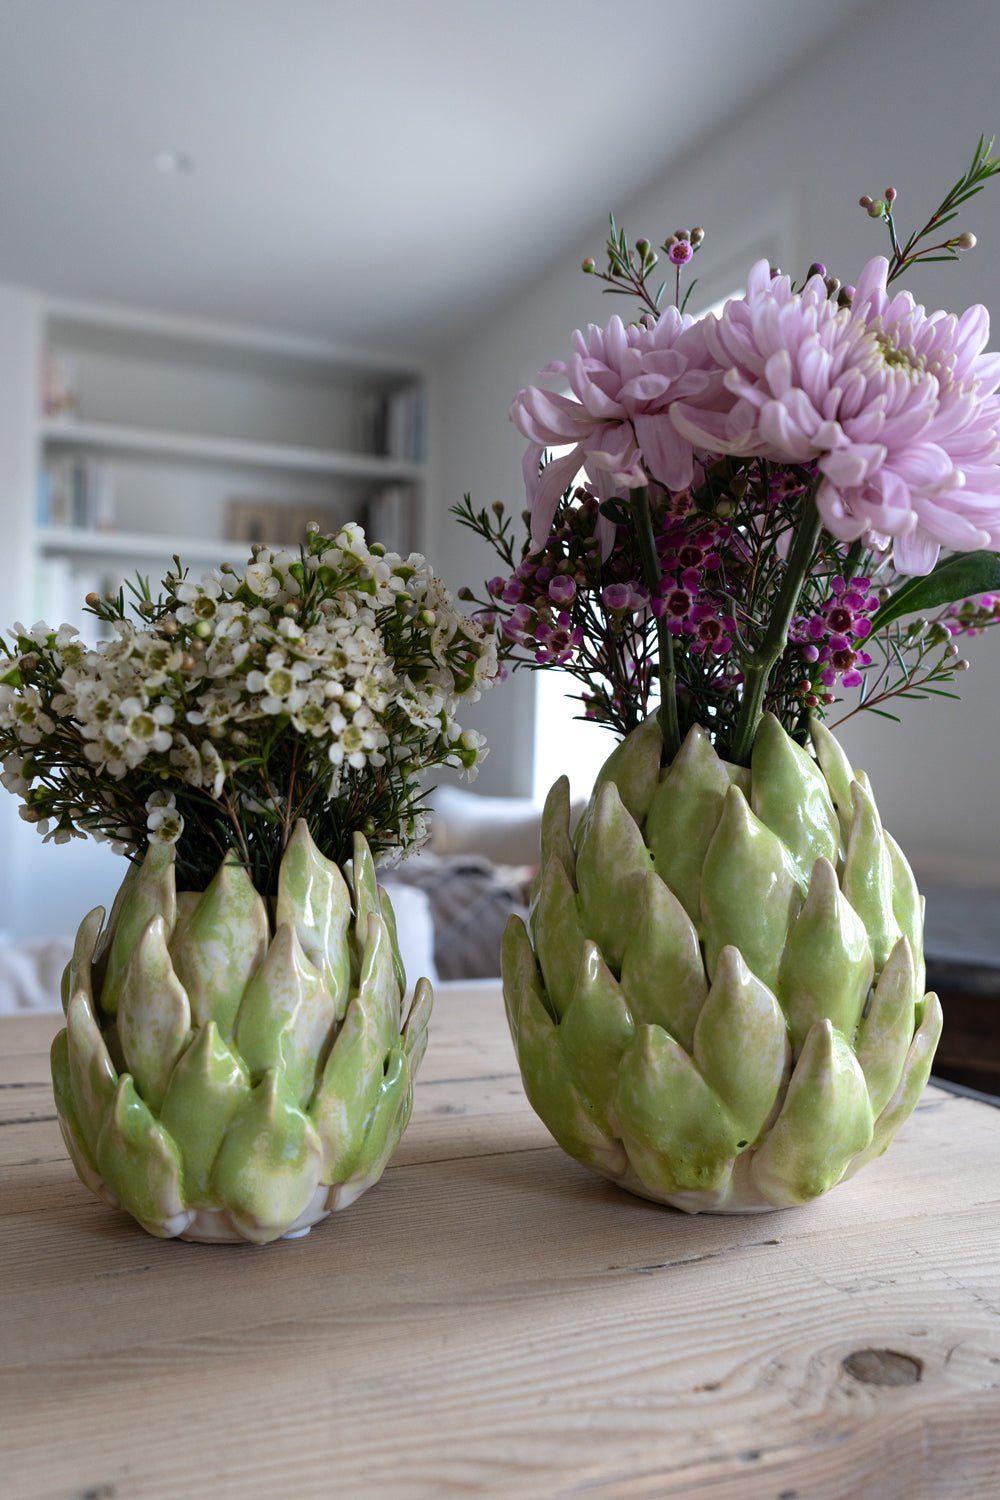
{"x":973,"y":616}
{"x":315,"y":684}
{"x":831,"y":639}
{"x":896,"y":407}
{"x":743,"y":508}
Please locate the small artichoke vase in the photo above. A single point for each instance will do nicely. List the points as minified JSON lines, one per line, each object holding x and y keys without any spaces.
{"x":718,"y":1001}
{"x":231,"y":1073}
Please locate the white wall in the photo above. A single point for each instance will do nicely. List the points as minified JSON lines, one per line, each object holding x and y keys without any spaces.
{"x":901,"y":97}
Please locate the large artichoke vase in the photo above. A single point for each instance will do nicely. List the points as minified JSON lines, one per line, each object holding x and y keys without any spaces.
{"x":234,"y":1069}
{"x":718,"y":1002}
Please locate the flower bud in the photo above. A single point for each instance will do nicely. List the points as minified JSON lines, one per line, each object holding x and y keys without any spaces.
{"x":865,"y":201}
{"x":962,"y":665}
{"x":589,"y":266}
{"x":817,"y":269}
{"x":92,"y":599}
{"x":876,"y":210}
{"x":832,"y":284}
{"x":890,"y":195}
{"x":642,"y":246}
{"x":697,"y":236}
{"x":965,"y":241}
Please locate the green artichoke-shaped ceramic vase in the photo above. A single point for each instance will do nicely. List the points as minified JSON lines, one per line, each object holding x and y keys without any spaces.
{"x":226,"y":1076}
{"x":719,"y":1000}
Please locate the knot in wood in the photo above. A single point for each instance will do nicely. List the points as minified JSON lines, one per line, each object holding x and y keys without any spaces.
{"x":883,"y":1367}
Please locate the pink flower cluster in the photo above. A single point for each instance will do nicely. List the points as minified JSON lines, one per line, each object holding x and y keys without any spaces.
{"x":691,"y":560}
{"x":973,"y":616}
{"x":539,"y":617}
{"x":897,"y":407}
{"x":833,"y":636}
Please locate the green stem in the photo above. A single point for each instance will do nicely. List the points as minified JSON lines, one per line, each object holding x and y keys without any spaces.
{"x":760,"y":665}
{"x":669,"y":726}
{"x":852,"y":559}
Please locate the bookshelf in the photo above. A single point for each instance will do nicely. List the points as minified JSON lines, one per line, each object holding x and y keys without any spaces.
{"x":158,"y":436}
{"x":126,"y":438}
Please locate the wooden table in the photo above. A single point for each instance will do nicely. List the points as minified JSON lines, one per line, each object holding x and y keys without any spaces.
{"x":492,"y":1320}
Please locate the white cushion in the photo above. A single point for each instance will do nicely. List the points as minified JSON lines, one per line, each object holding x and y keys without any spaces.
{"x":503,"y":829}
{"x":415,"y":927}
{"x":31,"y":974}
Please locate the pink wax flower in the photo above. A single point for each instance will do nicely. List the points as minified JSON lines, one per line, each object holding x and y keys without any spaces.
{"x":623,"y":379}
{"x":557,"y":643}
{"x":896,"y":406}
{"x":711,"y":630}
{"x":562,"y":589}
{"x":623,"y":597}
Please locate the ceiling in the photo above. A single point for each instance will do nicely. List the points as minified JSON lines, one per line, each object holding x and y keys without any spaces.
{"x":379,"y":171}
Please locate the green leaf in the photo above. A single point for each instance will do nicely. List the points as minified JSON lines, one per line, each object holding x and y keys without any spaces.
{"x":687,"y":294}
{"x":616,"y":510}
{"x":957,"y":577}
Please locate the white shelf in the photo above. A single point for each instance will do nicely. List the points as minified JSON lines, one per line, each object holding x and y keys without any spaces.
{"x":198,"y":338}
{"x":76,"y":542}
{"x":106,"y":437}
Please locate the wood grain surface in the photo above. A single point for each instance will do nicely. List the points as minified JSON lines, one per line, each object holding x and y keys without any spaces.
{"x":492,"y":1320}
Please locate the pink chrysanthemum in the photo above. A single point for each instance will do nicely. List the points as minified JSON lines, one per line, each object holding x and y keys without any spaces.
{"x":896,"y":405}
{"x":623,"y":380}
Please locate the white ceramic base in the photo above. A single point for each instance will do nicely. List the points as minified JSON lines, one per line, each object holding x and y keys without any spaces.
{"x":214,"y":1226}
{"x":739,"y":1193}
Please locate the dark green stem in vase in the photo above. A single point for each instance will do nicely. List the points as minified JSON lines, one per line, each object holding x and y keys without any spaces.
{"x":667,"y":713}
{"x":759,"y":666}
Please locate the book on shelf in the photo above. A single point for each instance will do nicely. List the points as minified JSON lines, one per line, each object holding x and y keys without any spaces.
{"x":392,"y":425}
{"x":76,"y":492}
{"x":60,"y":384}
{"x":390,"y":518}
{"x":275,"y":523}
